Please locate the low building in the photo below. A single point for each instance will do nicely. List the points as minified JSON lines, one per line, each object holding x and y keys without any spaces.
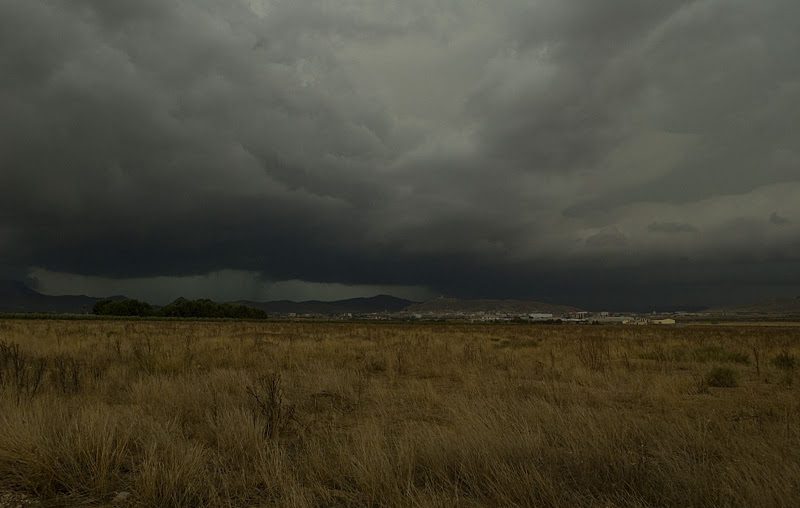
{"x":666,"y":321}
{"x":578,"y":315}
{"x":613,"y":319}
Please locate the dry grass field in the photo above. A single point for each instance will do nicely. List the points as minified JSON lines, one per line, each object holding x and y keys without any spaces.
{"x":178,"y":413}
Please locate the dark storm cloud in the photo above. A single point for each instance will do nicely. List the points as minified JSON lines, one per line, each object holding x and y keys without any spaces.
{"x":510,"y":148}
{"x":611,"y":238}
{"x":671,"y":227}
{"x":776,"y":219}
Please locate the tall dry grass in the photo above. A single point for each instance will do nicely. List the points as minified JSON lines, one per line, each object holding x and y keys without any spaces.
{"x":300,"y":414}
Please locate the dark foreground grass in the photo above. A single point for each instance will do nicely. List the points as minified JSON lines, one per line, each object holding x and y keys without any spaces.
{"x":282,"y":414}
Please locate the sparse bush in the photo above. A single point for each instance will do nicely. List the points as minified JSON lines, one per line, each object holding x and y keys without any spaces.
{"x":471,"y":352}
{"x":659,"y":353}
{"x":23,"y":372}
{"x":719,"y":354}
{"x":703,"y":354}
{"x":722,"y":377}
{"x":593,"y":353}
{"x":401,"y":361}
{"x":269,"y":408}
{"x":50,"y":449}
{"x":144,"y":352}
{"x":785,"y":361}
{"x":174,"y":475}
{"x":375,"y":364}
{"x":67,"y":374}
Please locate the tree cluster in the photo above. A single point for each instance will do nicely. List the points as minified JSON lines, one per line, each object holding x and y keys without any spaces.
{"x":126,"y":307}
{"x":181,"y":308}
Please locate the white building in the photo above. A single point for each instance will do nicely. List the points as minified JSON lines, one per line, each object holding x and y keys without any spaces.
{"x":667,"y":321}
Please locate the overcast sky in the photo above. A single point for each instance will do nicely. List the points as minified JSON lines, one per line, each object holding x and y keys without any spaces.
{"x":599,"y":153}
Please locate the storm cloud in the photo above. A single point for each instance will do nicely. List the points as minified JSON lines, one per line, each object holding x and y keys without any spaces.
{"x":671,"y":227}
{"x":565,"y":150}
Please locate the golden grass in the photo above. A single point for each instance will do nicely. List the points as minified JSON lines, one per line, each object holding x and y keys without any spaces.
{"x":312,"y":414}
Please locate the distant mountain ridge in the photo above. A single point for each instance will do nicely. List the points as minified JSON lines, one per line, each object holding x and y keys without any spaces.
{"x":386,"y":303}
{"x":780,"y":306}
{"x":16,"y":297}
{"x":443,"y":304}
{"x":380,"y":303}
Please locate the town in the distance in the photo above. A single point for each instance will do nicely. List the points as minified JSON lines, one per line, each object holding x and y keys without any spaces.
{"x":18,"y":298}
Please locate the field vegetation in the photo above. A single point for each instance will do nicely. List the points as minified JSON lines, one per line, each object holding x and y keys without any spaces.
{"x":180,"y":413}
{"x":180,"y":308}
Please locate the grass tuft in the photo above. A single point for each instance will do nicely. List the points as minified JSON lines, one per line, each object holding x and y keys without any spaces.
{"x":785,"y":361}
{"x":722,"y":377}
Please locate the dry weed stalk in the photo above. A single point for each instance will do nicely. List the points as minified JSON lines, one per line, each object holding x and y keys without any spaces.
{"x":269,"y":407}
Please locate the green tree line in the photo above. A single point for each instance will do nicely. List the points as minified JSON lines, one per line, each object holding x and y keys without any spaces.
{"x":179,"y":308}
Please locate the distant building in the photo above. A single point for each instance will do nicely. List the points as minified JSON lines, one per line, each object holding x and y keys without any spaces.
{"x":667,"y":321}
{"x":613,"y":319}
{"x":537,"y":316}
{"x":579,"y":315}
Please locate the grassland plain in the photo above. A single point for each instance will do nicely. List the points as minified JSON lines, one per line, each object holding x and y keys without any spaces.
{"x":175,"y":413}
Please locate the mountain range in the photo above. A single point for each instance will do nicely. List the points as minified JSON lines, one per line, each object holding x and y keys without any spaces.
{"x":380,"y":303}
{"x":16,"y":297}
{"x":446,"y":305}
{"x":777,"y":306}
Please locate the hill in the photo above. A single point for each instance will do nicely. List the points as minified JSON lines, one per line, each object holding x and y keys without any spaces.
{"x":445,"y":305}
{"x":15,"y":297}
{"x":380,"y":303}
{"x":773,"y":307}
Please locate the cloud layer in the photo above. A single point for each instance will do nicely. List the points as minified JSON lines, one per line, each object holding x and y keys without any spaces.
{"x":583,"y":151}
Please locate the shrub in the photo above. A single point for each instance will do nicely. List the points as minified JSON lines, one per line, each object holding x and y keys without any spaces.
{"x":722,"y":377}
{"x":785,"y":361}
{"x":703,"y":354}
{"x":594,"y":354}
{"x":126,"y":307}
{"x":269,"y":407}
{"x":719,"y":354}
{"x":22,"y":372}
